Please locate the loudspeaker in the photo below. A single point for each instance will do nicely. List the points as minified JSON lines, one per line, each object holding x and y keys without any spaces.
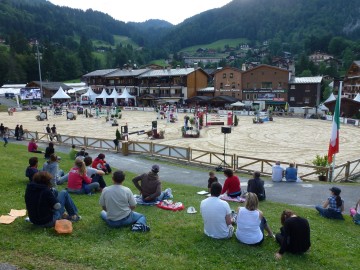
{"x":124,"y":129}
{"x":225,"y":130}
{"x":154,"y":124}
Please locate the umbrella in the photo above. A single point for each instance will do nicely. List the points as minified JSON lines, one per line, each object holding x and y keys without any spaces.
{"x":237,"y":104}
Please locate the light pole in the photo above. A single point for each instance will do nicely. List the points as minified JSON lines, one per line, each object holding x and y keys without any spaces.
{"x":38,"y":58}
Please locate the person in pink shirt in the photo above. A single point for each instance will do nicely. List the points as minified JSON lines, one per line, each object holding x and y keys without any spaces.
{"x":78,"y":181}
{"x":32,"y":147}
{"x":232,"y":184}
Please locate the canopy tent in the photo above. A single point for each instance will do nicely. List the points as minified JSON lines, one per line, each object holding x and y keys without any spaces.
{"x":322,"y":107}
{"x":103,"y":95}
{"x":88,"y":97}
{"x":125,"y":95}
{"x":60,"y":94}
{"x":330,"y":98}
{"x":114,"y":95}
{"x":357,"y":98}
{"x":237,"y":104}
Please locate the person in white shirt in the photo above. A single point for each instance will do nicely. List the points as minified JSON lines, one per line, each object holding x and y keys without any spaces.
{"x":216,"y":214}
{"x":277,"y":172}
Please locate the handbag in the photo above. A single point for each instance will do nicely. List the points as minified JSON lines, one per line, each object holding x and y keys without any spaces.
{"x":63,"y":226}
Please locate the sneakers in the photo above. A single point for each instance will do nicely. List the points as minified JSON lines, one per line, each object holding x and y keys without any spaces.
{"x":138,"y":227}
{"x":168,"y":193}
{"x":74,"y":218}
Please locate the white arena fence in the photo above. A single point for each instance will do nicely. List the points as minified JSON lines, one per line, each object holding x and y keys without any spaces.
{"x":187,"y":155}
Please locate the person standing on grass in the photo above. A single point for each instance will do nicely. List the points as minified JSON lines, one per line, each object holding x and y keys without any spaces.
{"x":118,"y":204}
{"x":333,"y":206}
{"x":251,"y":222}
{"x":17,"y":133}
{"x":2,"y":130}
{"x":32,"y":168}
{"x":6,"y":136}
{"x":43,"y":206}
{"x":212,"y":179}
{"x":294,"y":236}
{"x":256,"y":185}
{"x":216,"y":214}
{"x":232,"y":184}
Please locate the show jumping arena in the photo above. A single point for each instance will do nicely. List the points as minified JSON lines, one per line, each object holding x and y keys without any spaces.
{"x":286,"y":139}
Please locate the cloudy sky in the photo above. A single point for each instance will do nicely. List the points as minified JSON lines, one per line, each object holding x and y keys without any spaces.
{"x":141,"y":10}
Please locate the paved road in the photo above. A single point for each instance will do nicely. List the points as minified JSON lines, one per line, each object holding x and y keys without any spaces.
{"x":307,"y":194}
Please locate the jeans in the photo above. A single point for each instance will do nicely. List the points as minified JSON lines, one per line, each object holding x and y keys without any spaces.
{"x":329,"y":213}
{"x":67,"y":204}
{"x":97,"y":178}
{"x":61,"y":179}
{"x":86,"y":188}
{"x":132,"y":218}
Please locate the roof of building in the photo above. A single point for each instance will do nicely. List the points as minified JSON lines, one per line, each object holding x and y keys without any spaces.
{"x":54,"y":86}
{"x":306,"y":80}
{"x":357,"y":62}
{"x":167,"y":72}
{"x":100,"y":72}
{"x":126,"y":72}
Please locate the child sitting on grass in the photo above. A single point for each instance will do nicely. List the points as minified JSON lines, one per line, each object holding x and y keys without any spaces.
{"x":355,"y":213}
{"x":212,"y":179}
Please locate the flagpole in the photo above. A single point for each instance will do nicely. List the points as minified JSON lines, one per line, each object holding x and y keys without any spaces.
{"x":332,"y":168}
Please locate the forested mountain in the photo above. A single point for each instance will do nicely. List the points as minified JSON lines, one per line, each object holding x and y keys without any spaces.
{"x":73,"y":42}
{"x":258,"y":20}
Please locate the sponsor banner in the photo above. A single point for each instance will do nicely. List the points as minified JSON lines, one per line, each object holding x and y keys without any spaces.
{"x":267,"y":96}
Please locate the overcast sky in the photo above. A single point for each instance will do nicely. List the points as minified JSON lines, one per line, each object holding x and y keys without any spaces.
{"x":173,"y":11}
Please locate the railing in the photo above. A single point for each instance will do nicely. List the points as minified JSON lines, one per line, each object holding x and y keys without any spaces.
{"x":342,"y":172}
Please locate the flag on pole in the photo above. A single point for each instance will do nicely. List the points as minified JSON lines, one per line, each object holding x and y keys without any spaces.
{"x":334,"y":139}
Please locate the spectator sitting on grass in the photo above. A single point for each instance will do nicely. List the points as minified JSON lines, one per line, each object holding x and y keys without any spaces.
{"x":256,"y":185}
{"x":52,"y":166}
{"x":79,"y":182}
{"x":32,"y":168}
{"x":95,"y":174}
{"x":73,"y":152}
{"x":43,"y":206}
{"x":216,"y":214}
{"x":118,"y":203}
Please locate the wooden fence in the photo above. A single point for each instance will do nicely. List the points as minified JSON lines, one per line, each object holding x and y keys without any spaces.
{"x":342,"y":172}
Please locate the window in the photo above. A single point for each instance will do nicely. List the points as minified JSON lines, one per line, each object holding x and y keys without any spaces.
{"x":267,"y":85}
{"x":278,"y":95}
{"x":254,"y":86}
{"x":224,"y":75}
{"x":247,"y":85}
{"x":233,"y":85}
{"x":255,"y":96}
{"x":247,"y":97}
{"x":221,"y":86}
{"x":292,"y":86}
{"x":292,"y":98}
{"x":307,"y":90}
{"x":306,"y":100}
{"x":263,"y":73}
{"x":231,"y":75}
{"x":233,"y":94}
{"x":279,"y":84}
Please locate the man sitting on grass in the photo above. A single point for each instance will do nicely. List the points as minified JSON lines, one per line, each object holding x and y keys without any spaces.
{"x":216,"y":214}
{"x":32,"y":168}
{"x":118,"y":203}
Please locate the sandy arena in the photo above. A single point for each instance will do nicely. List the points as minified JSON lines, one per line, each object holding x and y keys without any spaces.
{"x":285,"y":139}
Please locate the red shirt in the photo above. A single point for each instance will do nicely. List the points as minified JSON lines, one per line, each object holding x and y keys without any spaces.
{"x":99,"y":164}
{"x":75,"y":180}
{"x":231,"y":185}
{"x":32,"y":147}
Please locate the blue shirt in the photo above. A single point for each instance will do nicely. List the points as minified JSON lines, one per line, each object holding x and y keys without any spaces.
{"x":291,"y":174}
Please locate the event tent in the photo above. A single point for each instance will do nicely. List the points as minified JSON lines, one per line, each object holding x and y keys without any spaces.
{"x":125,"y":95}
{"x":60,"y":94}
{"x":88,"y":96}
{"x":103,"y":95}
{"x":357,"y":98}
{"x":237,"y":104}
{"x":330,"y":98}
{"x":114,"y":95}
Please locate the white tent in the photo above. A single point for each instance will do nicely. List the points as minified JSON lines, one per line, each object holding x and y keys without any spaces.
{"x":237,"y":104}
{"x":103,"y":95}
{"x":357,"y":98}
{"x":60,"y":94}
{"x":331,"y":98}
{"x":88,"y":96}
{"x":125,"y":95}
{"x":114,"y":95}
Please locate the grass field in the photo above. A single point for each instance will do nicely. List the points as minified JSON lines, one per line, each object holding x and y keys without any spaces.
{"x":219,"y":44}
{"x":176,"y":239}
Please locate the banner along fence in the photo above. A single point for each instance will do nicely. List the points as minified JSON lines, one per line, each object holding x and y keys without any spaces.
{"x":342,"y":172}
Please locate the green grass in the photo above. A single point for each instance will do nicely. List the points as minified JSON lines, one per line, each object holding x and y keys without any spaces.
{"x":219,"y":44}
{"x":3,"y":108}
{"x":176,"y":239}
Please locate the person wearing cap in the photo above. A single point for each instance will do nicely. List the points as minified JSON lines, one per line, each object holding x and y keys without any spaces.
{"x":277,"y":172}
{"x":216,"y":214}
{"x":118,"y":204}
{"x":150,"y":186}
{"x":52,"y":166}
{"x":333,"y":206}
{"x":101,"y":164}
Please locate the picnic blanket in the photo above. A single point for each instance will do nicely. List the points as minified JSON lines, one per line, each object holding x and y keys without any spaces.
{"x":170,"y":205}
{"x":238,"y":199}
{"x":139,"y":200}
